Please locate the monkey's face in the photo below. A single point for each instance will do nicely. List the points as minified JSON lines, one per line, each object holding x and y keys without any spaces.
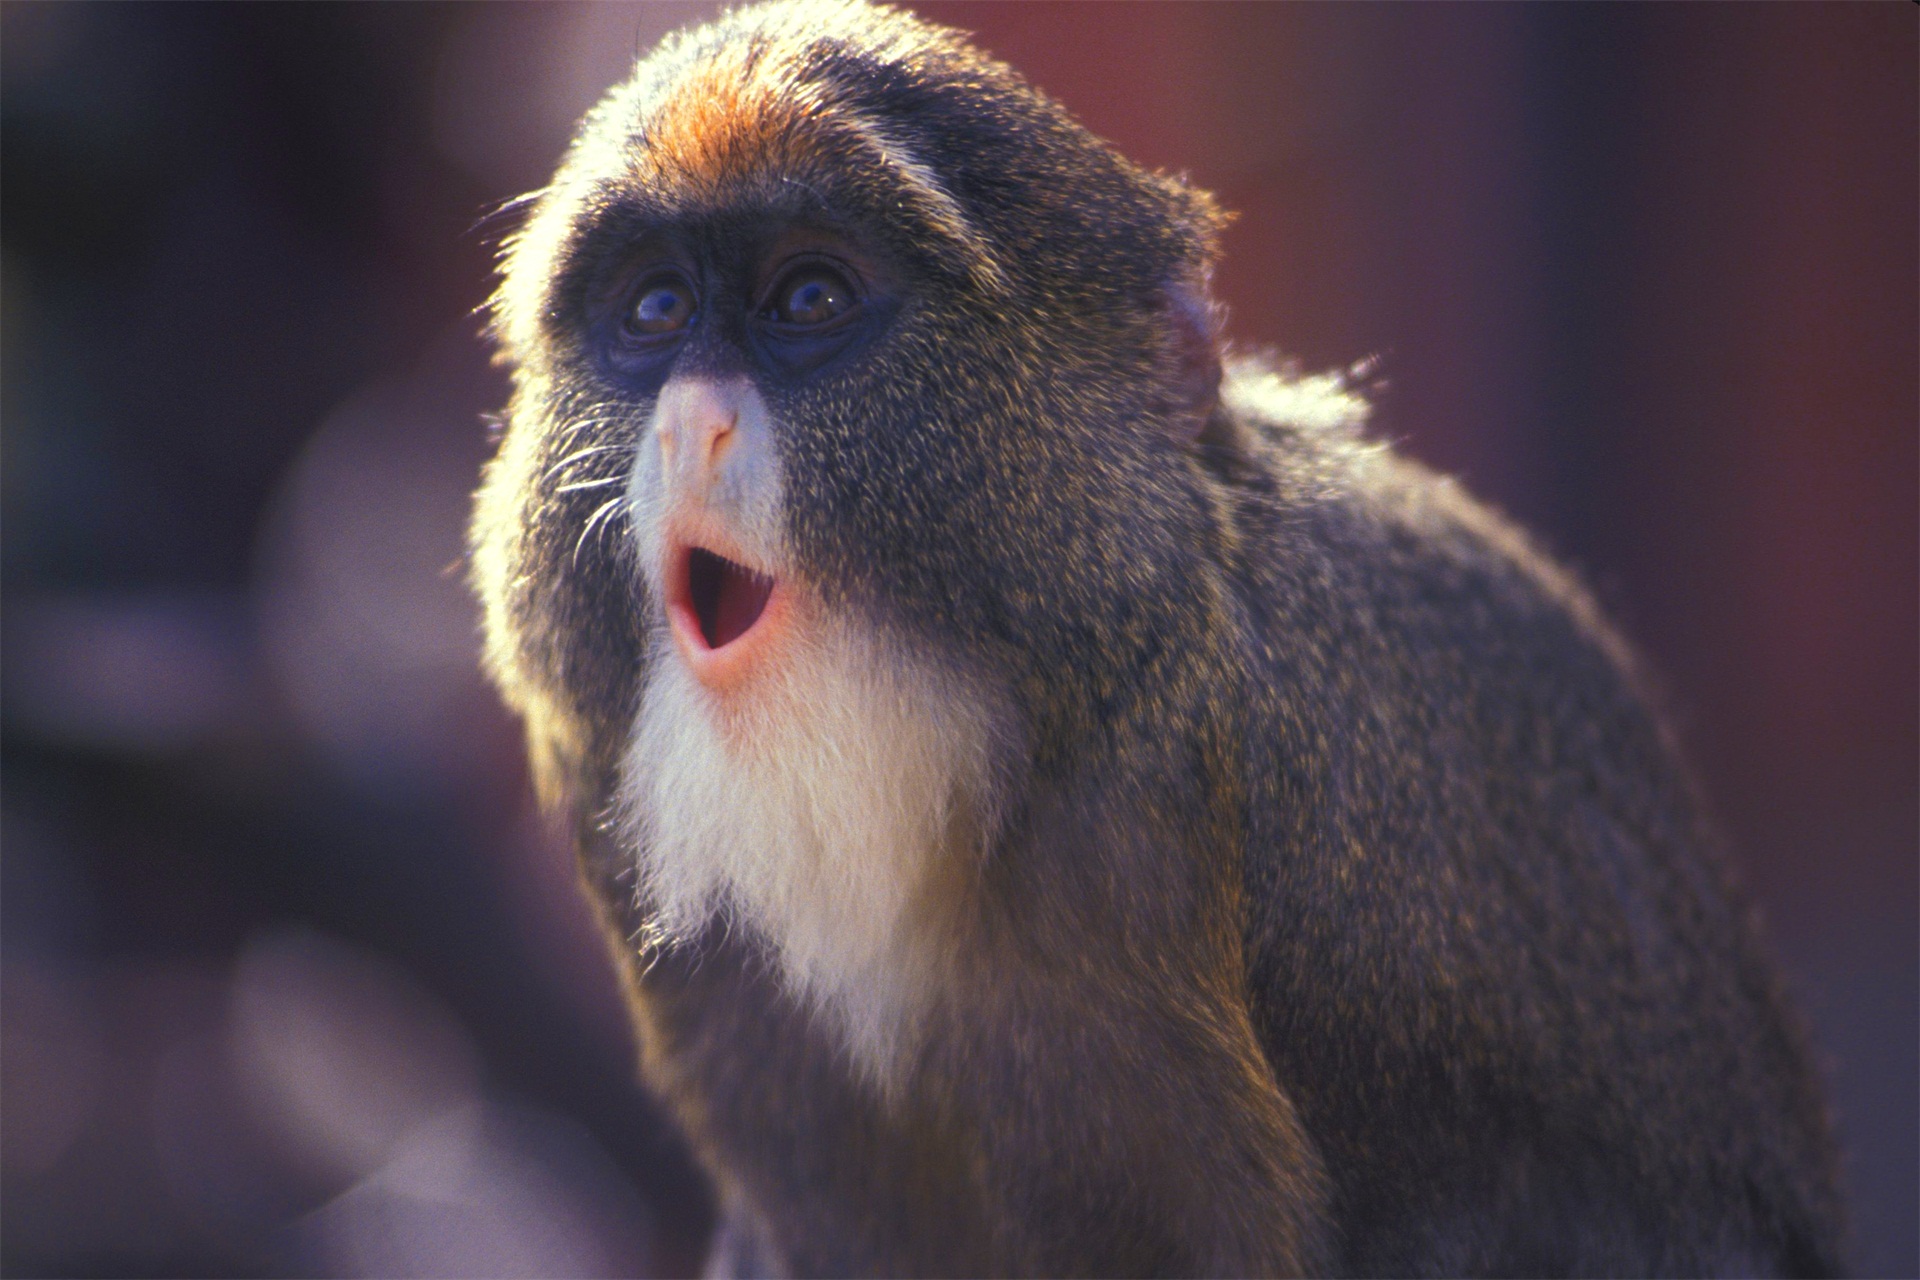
{"x":717,"y":331}
{"x":812,"y":332}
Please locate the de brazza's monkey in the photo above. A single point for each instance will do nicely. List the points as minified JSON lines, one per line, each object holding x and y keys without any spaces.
{"x":1063,"y":806}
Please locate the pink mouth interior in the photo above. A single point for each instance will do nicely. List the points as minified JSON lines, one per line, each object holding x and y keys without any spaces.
{"x":727,"y":598}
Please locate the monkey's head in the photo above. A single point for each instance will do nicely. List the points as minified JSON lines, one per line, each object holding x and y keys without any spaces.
{"x":856,"y":393}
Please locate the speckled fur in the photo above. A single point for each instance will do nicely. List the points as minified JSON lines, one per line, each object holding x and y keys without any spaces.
{"x":1346,"y":910}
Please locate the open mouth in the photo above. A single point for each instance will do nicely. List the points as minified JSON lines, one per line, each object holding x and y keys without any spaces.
{"x":717,"y":600}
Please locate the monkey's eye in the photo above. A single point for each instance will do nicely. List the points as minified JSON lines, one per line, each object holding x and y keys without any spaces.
{"x":665,"y":306}
{"x":812,"y":295}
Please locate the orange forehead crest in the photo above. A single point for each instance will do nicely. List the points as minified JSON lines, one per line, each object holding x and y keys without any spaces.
{"x":739,"y":122}
{"x":724,"y":124}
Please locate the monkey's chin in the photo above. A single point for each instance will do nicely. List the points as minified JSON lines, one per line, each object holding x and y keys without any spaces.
{"x":725,"y":617}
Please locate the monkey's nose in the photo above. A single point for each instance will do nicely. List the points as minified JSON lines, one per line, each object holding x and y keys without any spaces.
{"x":698,"y":419}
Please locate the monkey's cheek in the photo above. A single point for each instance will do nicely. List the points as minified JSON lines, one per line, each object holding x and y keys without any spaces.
{"x":733,"y":667}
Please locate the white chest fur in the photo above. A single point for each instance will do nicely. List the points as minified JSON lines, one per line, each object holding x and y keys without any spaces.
{"x":835,"y":812}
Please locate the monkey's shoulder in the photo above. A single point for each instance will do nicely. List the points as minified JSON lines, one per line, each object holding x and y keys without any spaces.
{"x":1341,"y":542}
{"x":1471,"y":713}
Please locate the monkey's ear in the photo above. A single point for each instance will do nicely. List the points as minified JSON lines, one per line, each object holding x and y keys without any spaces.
{"x":1193,"y":331}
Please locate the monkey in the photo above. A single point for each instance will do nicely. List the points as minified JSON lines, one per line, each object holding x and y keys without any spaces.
{"x":1063,"y":799}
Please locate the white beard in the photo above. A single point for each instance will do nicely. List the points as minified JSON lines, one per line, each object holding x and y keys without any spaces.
{"x":837,"y":810}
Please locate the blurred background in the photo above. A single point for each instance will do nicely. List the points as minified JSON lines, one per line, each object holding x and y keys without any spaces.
{"x":294,"y":979}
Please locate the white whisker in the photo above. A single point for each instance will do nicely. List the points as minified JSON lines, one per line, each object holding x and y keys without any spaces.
{"x":605,"y":509}
{"x":575,"y":457}
{"x":596,"y":419}
{"x":591,"y":484}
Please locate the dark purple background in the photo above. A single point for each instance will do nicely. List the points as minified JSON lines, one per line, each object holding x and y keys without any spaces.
{"x":294,"y":980}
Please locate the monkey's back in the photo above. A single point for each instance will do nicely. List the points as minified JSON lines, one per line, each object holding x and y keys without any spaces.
{"x":1495,"y":956}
